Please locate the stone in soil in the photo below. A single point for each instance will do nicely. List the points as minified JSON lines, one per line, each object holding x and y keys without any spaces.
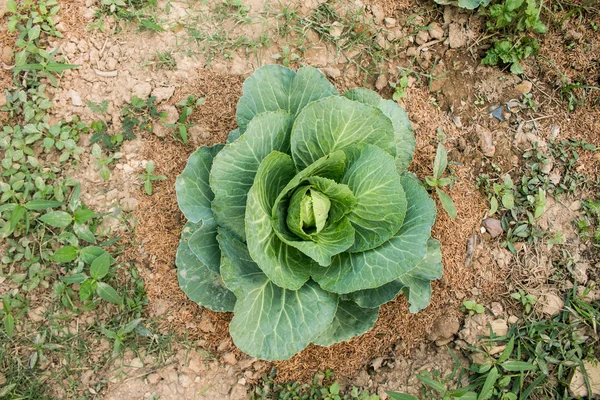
{"x":436,"y":31}
{"x":524,"y":87}
{"x":444,"y":328}
{"x":7,"y":55}
{"x":457,"y":36}
{"x":551,"y":304}
{"x":163,"y":93}
{"x":486,"y":141}
{"x":493,"y":227}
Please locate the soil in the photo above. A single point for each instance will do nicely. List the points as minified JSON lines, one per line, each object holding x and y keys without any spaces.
{"x":450,"y":97}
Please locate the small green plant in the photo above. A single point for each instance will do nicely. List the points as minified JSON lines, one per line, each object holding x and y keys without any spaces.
{"x":13,"y":308}
{"x":468,"y":4}
{"x":121,"y":334}
{"x":399,"y":88}
{"x":186,"y":108}
{"x":98,"y":108}
{"x":165,"y":60}
{"x":287,"y":56}
{"x":149,"y":177}
{"x":437,"y":181}
{"x":513,"y":22}
{"x":527,"y":300}
{"x":322,"y":387}
{"x":472,"y":307}
{"x":102,"y":163}
{"x":504,"y":192}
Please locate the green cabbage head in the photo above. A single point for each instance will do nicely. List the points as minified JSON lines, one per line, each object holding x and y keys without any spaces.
{"x":306,"y":221}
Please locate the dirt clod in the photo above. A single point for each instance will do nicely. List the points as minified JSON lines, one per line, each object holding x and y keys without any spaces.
{"x":551,"y":304}
{"x":457,"y":36}
{"x":578,"y":387}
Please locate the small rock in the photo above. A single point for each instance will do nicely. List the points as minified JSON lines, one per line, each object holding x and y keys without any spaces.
{"x":336,"y":29}
{"x":480,"y":358}
{"x":163,"y":93}
{"x":378,"y":14}
{"x":2,"y":99}
{"x":377,"y":363}
{"x":88,"y":13}
{"x":129,"y":204}
{"x":496,"y":309}
{"x":422,"y":37}
{"x":230,"y":359}
{"x":493,"y":226}
{"x":153,"y":379}
{"x":381,"y":42}
{"x":486,"y":142}
{"x":7,"y":55}
{"x":524,"y":87}
{"x":436,"y":31}
{"x":332,"y":73}
{"x":206,"y":325}
{"x":457,"y":36}
{"x":389,"y":22}
{"x":551,"y":304}
{"x":239,"y":392}
{"x":70,"y":49}
{"x":513,"y":319}
{"x":3,"y":8}
{"x":136,"y":363}
{"x":499,"y":327}
{"x":142,"y":90}
{"x":444,"y":327}
{"x":111,"y":64}
{"x":412,"y":51}
{"x":578,"y":387}
{"x":575,"y":206}
{"x":580,"y":272}
{"x":381,"y":82}
{"x":75,"y":98}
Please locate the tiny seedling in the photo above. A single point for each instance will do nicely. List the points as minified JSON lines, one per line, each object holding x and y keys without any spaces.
{"x":149,"y":177}
{"x":472,"y":307}
{"x":102,"y":163}
{"x":527,"y":300}
{"x":437,"y":181}
{"x":400,"y":88}
{"x":121,"y":334}
{"x":186,"y":107}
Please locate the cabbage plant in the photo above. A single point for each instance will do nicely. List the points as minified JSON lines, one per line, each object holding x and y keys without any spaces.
{"x":306,"y":221}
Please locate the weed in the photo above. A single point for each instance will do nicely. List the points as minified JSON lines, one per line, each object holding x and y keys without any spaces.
{"x":165,"y":60}
{"x":437,"y":181}
{"x":472,"y":307}
{"x":513,"y":22}
{"x":149,"y":177}
{"x":102,"y":163}
{"x":186,"y":108}
{"x":527,"y":300}
{"x":322,"y":387}
{"x":399,"y":88}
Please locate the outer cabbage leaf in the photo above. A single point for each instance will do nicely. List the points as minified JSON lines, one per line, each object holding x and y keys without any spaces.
{"x":203,"y":243}
{"x":334,"y":123}
{"x":403,"y":131}
{"x":398,"y":257}
{"x":380,"y":199}
{"x":235,"y":166}
{"x":350,"y":320}
{"x":416,"y":286}
{"x":285,"y":265}
{"x":194,"y":194}
{"x":270,"y":322}
{"x":274,"y":87}
{"x":200,"y":283}
{"x":373,"y":298}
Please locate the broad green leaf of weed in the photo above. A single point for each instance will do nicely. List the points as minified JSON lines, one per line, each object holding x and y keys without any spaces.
{"x":107,"y":293}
